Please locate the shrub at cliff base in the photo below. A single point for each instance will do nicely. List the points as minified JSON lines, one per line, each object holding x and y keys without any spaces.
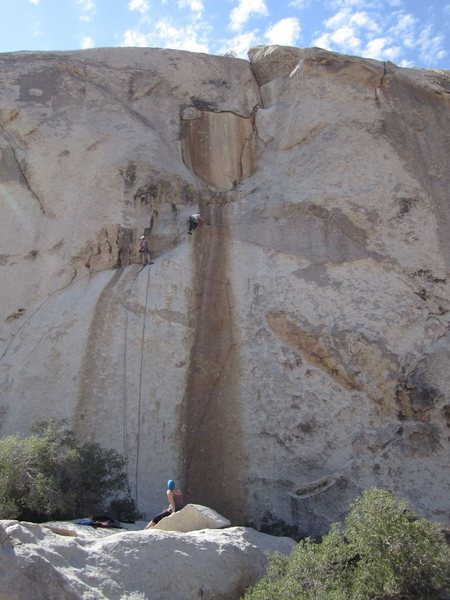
{"x":49,"y":476}
{"x":383,"y":552}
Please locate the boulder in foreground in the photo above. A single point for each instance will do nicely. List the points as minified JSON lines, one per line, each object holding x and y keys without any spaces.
{"x":38,"y":564}
{"x":192,"y":518}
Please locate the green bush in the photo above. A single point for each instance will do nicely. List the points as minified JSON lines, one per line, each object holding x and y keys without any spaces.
{"x":383,"y":552}
{"x":49,"y":476}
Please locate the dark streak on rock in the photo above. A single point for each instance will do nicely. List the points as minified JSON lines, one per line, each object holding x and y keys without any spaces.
{"x":212,"y":455}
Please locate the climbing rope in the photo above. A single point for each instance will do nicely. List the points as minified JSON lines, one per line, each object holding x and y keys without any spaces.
{"x":124,"y":377}
{"x":140,"y":388}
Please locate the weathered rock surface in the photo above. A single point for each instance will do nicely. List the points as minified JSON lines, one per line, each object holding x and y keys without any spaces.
{"x":37,"y":564}
{"x":290,"y":353}
{"x":192,"y":518}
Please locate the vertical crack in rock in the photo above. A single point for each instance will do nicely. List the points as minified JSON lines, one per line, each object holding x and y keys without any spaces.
{"x":11,"y":168}
{"x":379,"y":88}
{"x":211,"y":417}
{"x":23,"y":170}
{"x":384,"y":74}
{"x":258,"y":85}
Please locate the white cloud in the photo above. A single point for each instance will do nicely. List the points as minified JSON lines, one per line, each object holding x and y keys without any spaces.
{"x":358,"y":32}
{"x":431,"y":48}
{"x":286,"y":32}
{"x":196,"y":6}
{"x":391,"y":53}
{"x":405,"y":23}
{"x":241,"y":13}
{"x":380,"y":49}
{"x":165,"y":35}
{"x":183,"y":38}
{"x":139,"y":5}
{"x":345,"y":17}
{"x":345,"y":37}
{"x":375,"y":47}
{"x":240,"y":44}
{"x":404,"y":29}
{"x":133,"y":38}
{"x":87,"y":42}
{"x":338,"y":19}
{"x":353,"y":4}
{"x":374,"y":33}
{"x":88,"y":7}
{"x":323,"y":41}
{"x":35,"y":1}
{"x":299,"y":3}
{"x":363,"y":20}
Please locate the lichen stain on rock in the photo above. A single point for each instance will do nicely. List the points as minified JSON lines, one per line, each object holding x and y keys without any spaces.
{"x":219,"y":147}
{"x":39,"y":86}
{"x":92,"y":404}
{"x":308,"y":343}
{"x":307,"y":230}
{"x":420,"y":439}
{"x":212,"y":456}
{"x":98,"y":331}
{"x":410,"y":136}
{"x":349,"y":358}
{"x":418,"y":392}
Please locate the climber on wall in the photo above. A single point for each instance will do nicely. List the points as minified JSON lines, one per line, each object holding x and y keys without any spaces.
{"x":194,"y":220}
{"x":144,"y":251}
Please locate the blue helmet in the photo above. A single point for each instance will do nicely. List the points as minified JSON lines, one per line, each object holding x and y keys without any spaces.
{"x":171,"y":484}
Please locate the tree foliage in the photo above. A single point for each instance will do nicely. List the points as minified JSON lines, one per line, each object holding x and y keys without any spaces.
{"x":49,"y":476}
{"x":383,"y":552}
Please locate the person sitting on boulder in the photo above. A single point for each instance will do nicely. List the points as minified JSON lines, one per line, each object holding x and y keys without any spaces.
{"x":194,"y":220}
{"x":175,"y":497}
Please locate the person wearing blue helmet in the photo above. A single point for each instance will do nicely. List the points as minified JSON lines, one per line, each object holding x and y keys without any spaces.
{"x":175,"y":497}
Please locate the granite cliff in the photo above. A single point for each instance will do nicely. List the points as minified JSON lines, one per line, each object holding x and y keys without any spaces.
{"x":295,"y":349}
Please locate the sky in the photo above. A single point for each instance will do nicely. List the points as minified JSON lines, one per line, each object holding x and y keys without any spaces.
{"x":406,"y":32}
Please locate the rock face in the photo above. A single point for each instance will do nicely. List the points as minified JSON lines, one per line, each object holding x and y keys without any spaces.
{"x":37,"y":564}
{"x":290,"y":353}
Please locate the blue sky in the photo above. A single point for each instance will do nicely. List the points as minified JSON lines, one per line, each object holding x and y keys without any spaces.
{"x":406,"y":32}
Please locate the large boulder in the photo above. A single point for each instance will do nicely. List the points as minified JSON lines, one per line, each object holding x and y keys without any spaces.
{"x":191,"y":518}
{"x":38,"y":564}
